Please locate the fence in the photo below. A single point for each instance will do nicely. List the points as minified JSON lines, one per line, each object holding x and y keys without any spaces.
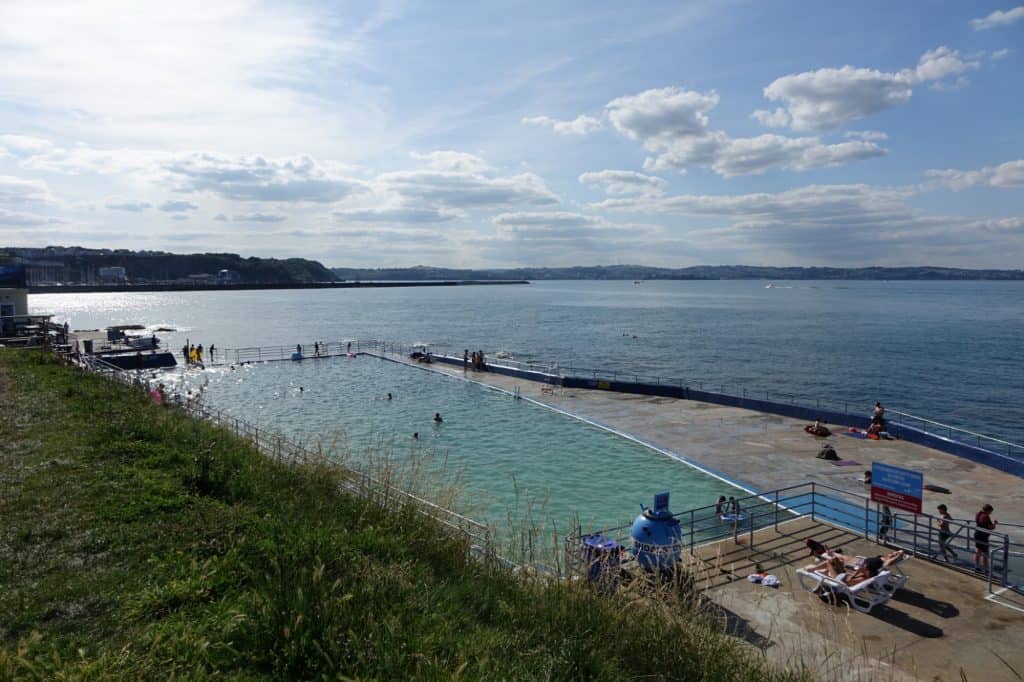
{"x":914,"y":533}
{"x":280,"y":448}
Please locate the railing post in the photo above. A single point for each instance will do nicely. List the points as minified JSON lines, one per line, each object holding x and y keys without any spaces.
{"x":776,"y":509}
{"x":813,"y":496}
{"x":1006,"y":560}
{"x":691,"y":531}
{"x":867,"y":518}
{"x":894,"y":523}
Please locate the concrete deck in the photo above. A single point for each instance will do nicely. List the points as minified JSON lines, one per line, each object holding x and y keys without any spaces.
{"x":942,"y":623}
{"x":938,"y":626}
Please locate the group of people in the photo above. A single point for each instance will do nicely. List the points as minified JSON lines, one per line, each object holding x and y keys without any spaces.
{"x":727,"y":507}
{"x":845,"y":569}
{"x":194,"y":354}
{"x":474,"y":360}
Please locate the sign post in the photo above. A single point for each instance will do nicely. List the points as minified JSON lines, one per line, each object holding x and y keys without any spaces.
{"x":897,"y":487}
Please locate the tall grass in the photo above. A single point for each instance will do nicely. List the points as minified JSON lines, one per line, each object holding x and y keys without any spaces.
{"x":141,"y":543}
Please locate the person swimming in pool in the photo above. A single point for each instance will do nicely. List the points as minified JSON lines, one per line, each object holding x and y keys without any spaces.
{"x":437,"y":418}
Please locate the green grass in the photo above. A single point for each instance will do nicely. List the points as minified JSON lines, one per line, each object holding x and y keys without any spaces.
{"x":140,"y":543}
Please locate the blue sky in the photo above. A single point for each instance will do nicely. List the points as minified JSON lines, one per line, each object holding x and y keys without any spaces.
{"x":499,"y":134}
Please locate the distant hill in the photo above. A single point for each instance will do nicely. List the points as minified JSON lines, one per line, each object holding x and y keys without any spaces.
{"x":80,"y":265}
{"x":618,"y":272}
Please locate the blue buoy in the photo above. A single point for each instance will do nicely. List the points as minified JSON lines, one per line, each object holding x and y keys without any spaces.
{"x":657,"y":536}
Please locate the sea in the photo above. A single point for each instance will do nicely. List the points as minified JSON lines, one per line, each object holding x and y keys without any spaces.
{"x":946,"y":351}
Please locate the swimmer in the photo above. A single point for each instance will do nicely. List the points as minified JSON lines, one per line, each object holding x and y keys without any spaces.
{"x":389,"y":396}
{"x":301,"y":389}
{"x":416,"y":435}
{"x":437,"y":418}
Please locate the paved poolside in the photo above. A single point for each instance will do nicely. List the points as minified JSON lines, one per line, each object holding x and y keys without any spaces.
{"x":940,"y":624}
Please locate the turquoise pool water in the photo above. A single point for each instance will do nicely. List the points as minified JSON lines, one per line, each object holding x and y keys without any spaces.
{"x":516,"y":461}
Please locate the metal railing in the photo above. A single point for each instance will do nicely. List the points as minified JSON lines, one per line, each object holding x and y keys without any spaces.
{"x":280,"y":448}
{"x":917,"y":534}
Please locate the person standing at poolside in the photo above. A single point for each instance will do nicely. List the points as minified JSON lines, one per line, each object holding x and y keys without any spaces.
{"x":944,"y":534}
{"x":885,"y":524}
{"x":985,"y":523}
{"x":465,"y":360}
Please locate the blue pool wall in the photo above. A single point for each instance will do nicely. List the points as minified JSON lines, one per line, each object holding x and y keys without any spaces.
{"x":910,"y":434}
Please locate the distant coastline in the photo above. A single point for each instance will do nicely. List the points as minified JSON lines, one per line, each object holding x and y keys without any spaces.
{"x":698,"y":272}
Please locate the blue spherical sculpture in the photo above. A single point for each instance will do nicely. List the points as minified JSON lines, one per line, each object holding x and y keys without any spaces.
{"x":657,"y":536}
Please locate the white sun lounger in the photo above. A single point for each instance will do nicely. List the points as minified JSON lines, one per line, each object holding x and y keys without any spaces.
{"x":863,"y":596}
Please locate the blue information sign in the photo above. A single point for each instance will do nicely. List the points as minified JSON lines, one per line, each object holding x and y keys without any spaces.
{"x":897,"y":487}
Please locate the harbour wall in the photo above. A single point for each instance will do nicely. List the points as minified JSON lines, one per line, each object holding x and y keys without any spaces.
{"x":910,"y":434}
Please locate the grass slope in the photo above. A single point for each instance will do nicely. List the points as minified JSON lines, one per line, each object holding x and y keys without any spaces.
{"x":139,"y":543}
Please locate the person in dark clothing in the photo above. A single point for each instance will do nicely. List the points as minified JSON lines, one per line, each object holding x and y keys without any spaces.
{"x":984,"y":521}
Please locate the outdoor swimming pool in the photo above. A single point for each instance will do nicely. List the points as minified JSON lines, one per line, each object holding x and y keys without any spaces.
{"x":516,"y":461}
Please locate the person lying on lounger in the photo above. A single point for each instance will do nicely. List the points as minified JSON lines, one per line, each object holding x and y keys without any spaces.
{"x":840,"y":567}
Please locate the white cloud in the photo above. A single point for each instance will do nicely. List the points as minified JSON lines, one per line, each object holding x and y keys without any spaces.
{"x":191,"y":74}
{"x":1009,"y":174}
{"x":447,"y":160}
{"x":258,"y":217}
{"x":1000,"y":54}
{"x":19,"y":218}
{"x":257,"y":178}
{"x":656,"y":117}
{"x":754,"y":155}
{"x":581,"y":125}
{"x":20,"y":191}
{"x":617,"y":182}
{"x":23,"y":145}
{"x":674,"y":125}
{"x":466,"y":190}
{"x":941,"y":63}
{"x":866,"y":135}
{"x":827,"y":98}
{"x":179,"y":216}
{"x":998,"y":18}
{"x":396,"y":215}
{"x":779,"y":118}
{"x":177,"y":206}
{"x":545,"y":219}
{"x":129,"y":205}
{"x":220,"y":217}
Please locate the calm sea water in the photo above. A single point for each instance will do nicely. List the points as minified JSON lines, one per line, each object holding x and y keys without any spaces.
{"x":950,"y":351}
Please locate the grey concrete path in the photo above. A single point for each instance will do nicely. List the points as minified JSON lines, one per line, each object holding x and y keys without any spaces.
{"x":935,"y":628}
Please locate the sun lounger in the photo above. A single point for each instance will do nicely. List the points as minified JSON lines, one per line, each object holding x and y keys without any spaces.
{"x":863,"y":596}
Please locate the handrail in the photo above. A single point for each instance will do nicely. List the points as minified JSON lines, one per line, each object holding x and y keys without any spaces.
{"x":853,"y":511}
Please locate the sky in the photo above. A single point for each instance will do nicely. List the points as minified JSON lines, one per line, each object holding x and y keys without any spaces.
{"x":497,"y":134}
